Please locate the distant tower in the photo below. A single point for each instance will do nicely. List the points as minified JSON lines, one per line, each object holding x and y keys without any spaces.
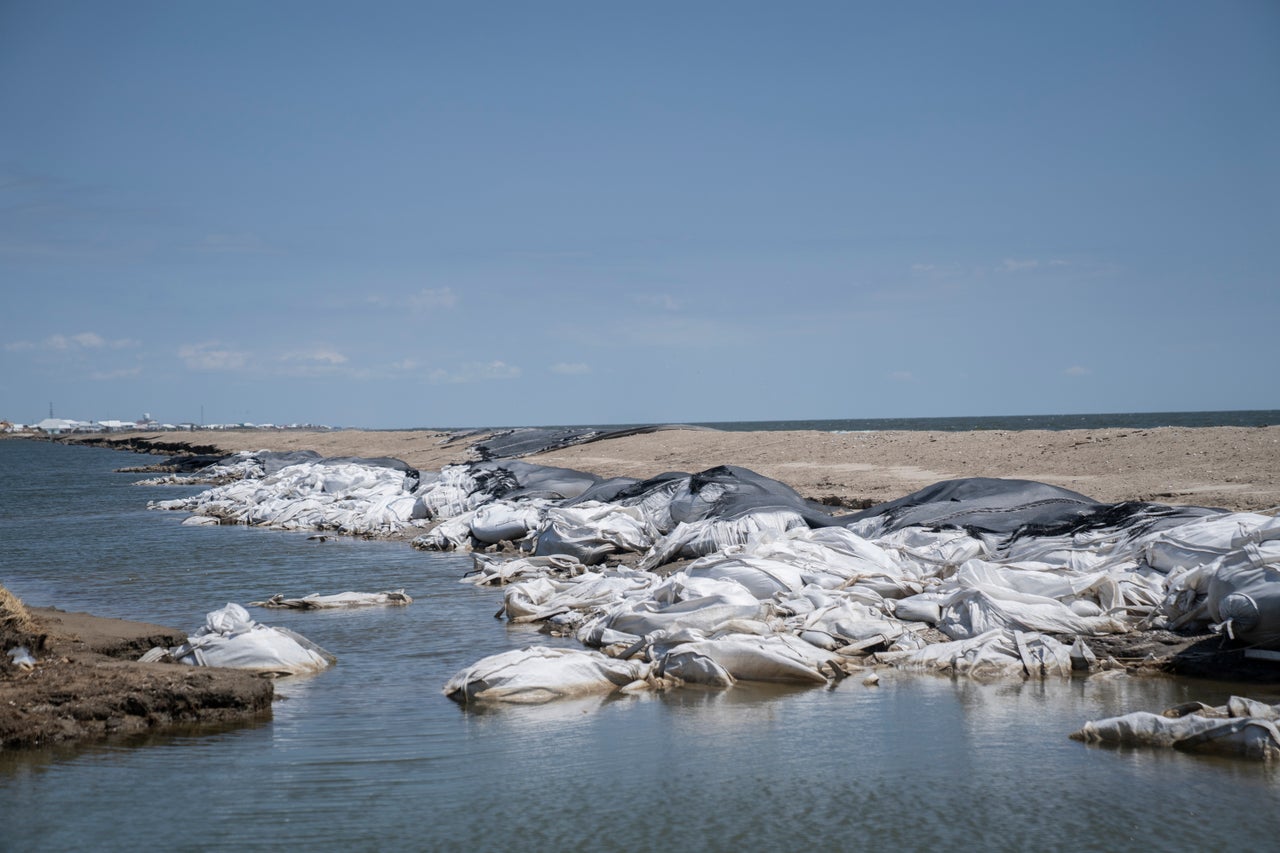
{"x":51,"y":410}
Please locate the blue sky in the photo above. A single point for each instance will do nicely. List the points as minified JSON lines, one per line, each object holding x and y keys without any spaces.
{"x":465,"y":214}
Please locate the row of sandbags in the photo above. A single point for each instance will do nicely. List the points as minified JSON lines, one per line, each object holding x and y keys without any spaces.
{"x":350,"y":496}
{"x":954,"y":563}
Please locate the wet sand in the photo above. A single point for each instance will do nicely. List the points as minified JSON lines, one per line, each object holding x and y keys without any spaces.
{"x":88,"y":685}
{"x":1235,"y":468}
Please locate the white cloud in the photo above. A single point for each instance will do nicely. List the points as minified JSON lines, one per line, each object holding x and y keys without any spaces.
{"x":69,"y":343}
{"x":430,"y":298}
{"x":88,"y":340}
{"x":406,"y":364}
{"x":122,"y":373}
{"x":212,"y":356}
{"x":316,"y":356}
{"x":902,"y":376}
{"x":475,"y":372}
{"x":661,"y":301}
{"x":1077,"y":370}
{"x":570,"y":368}
{"x":1015,"y":265}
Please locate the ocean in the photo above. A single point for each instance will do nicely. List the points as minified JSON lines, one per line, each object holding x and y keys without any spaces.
{"x":369,"y":755}
{"x":1116,"y":420}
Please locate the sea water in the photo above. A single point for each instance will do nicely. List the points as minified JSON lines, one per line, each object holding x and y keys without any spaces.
{"x":369,"y":755}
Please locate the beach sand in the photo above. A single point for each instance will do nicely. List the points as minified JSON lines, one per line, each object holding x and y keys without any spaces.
{"x":1235,"y":468}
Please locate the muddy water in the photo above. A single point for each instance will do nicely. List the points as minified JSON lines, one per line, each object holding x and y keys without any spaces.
{"x":370,"y":755}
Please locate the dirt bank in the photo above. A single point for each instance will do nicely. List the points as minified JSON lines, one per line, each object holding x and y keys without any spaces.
{"x":86,"y":683}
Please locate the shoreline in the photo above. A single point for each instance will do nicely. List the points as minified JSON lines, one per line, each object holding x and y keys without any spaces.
{"x":89,"y":686}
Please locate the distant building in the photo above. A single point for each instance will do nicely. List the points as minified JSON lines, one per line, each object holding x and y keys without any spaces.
{"x":58,"y":426}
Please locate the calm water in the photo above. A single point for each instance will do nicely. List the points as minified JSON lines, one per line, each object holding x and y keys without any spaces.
{"x":371,"y":756}
{"x":1118,"y":420}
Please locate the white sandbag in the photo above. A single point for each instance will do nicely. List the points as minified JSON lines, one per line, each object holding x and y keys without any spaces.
{"x":592,"y":531}
{"x":541,"y":598}
{"x":848,"y":625}
{"x":703,"y":604}
{"x":986,"y":597}
{"x":743,"y":657}
{"x":504,"y":521}
{"x":1243,"y":597}
{"x":993,"y":655}
{"x":231,"y":638}
{"x":451,"y":534}
{"x":1203,"y":540}
{"x":699,"y":538}
{"x":1245,"y":737}
{"x":538,"y":674}
{"x":339,"y":600}
{"x":764,"y":577}
{"x":925,"y":607}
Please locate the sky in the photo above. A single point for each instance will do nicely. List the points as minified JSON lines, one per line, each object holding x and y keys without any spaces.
{"x":393,"y":215}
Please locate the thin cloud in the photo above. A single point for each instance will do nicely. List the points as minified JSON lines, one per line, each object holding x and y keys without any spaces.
{"x":475,"y":372}
{"x":71,"y":343}
{"x":570,"y":368}
{"x":1015,"y":265}
{"x":432,"y":298}
{"x":661,"y":301}
{"x":316,"y":356}
{"x":122,"y":373}
{"x":1076,"y":370}
{"x":212,"y":356}
{"x":902,"y":376}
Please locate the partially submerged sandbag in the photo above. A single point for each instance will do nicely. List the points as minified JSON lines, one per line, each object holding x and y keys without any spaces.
{"x":1243,"y":728}
{"x":316,"y":601}
{"x":231,"y":638}
{"x":721,"y":661}
{"x":538,"y":674}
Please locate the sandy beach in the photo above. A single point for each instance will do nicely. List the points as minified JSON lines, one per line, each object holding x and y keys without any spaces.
{"x":1235,"y":468}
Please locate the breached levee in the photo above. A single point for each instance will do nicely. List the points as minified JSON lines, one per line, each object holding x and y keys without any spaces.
{"x":725,"y":576}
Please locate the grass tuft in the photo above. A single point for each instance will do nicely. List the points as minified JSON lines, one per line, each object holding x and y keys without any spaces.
{"x":15,"y":622}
